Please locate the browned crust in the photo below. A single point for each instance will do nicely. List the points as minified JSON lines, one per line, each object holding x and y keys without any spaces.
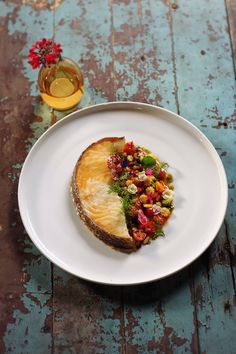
{"x":120,"y":244}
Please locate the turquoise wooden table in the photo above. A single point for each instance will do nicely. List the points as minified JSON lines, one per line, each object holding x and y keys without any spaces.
{"x":178,"y":55}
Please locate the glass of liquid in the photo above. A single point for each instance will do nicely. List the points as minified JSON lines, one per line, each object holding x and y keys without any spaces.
{"x":61,"y":85}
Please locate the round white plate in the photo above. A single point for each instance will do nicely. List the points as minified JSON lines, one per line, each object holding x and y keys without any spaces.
{"x":49,"y":215}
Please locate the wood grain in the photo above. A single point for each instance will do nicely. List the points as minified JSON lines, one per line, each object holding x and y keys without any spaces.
{"x":25,"y":275}
{"x":231,"y":11}
{"x":174,"y":54}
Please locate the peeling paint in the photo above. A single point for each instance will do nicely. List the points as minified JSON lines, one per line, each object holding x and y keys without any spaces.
{"x":129,"y":50}
{"x":84,"y":318}
{"x":19,"y":331}
{"x":24,"y":333}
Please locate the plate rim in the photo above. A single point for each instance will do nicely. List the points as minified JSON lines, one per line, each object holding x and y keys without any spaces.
{"x":106,"y":106}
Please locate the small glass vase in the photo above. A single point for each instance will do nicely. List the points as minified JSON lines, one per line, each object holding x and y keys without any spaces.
{"x":61,"y":85}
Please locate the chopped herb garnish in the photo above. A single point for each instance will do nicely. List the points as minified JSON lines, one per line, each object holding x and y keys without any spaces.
{"x":115,"y":188}
{"x":127,"y":203}
{"x":124,"y":176}
{"x":126,"y":198}
{"x":158,"y":234}
{"x":164,"y":165}
{"x":169,"y":178}
{"x":156,"y":171}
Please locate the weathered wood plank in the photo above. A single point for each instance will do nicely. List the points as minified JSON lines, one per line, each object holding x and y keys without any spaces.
{"x":88,"y":317}
{"x":231,"y":11}
{"x":139,"y":50}
{"x":85,"y":28}
{"x":206,"y":92}
{"x":143,"y":54}
{"x":137,"y":74}
{"x":160,"y":317}
{"x":25,"y":277}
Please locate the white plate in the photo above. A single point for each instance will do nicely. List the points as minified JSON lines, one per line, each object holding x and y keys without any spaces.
{"x":49,"y":215}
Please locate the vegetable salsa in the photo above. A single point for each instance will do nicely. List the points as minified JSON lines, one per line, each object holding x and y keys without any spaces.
{"x":145,"y":188}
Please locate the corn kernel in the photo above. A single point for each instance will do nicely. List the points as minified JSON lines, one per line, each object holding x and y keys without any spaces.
{"x":150,"y":190}
{"x":128,"y":182}
{"x":165,"y":212}
{"x":148,"y":181}
{"x":143,"y":198}
{"x":147,"y":205}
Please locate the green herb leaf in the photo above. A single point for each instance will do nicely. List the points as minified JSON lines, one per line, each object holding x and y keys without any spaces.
{"x":115,"y":188}
{"x":148,"y":161}
{"x":167,"y":202}
{"x":169,"y":178}
{"x":126,"y":197}
{"x":158,"y":234}
{"x":127,"y":203}
{"x":124,"y":176}
{"x":164,"y":165}
{"x":156,"y":171}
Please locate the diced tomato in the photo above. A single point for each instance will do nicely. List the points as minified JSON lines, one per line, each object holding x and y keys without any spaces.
{"x":140,"y":190}
{"x":160,"y":219}
{"x":139,"y":235}
{"x":150,"y":227}
{"x":137,"y":182}
{"x":129,"y":148}
{"x":149,"y":212}
{"x":159,"y":187}
{"x":138,"y":204}
{"x":133,"y":173}
{"x":156,"y":197}
{"x":136,"y":167}
{"x":149,"y":198}
{"x":162,"y":174}
{"x":119,"y":168}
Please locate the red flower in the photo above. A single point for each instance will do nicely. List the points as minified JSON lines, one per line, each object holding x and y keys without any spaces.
{"x":44,"y":52}
{"x":50,"y":58}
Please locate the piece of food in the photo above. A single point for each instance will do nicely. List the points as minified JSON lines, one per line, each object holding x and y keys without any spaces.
{"x":123,"y":193}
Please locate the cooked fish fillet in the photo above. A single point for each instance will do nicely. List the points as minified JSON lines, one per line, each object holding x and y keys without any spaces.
{"x":101,"y":211}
